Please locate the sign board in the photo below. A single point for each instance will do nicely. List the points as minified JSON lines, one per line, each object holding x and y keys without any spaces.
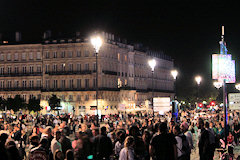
{"x":234,"y":101}
{"x":161,"y":104}
{"x":223,"y":67}
{"x":121,"y":107}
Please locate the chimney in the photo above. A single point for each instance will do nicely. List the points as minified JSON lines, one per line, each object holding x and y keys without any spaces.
{"x":18,"y":36}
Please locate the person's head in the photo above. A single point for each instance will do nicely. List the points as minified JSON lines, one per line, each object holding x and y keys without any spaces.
{"x":206,"y":124}
{"x":163,"y":127}
{"x":69,"y":155}
{"x":134,"y":131}
{"x":95,"y":131}
{"x":176,"y":130}
{"x":146,"y":135}
{"x":44,"y":142}
{"x":129,"y":141}
{"x":57,"y":135}
{"x":200,"y":123}
{"x":58,"y":155}
{"x":3,"y":138}
{"x":103,"y":130}
{"x":184,"y":127}
{"x":34,"y":140}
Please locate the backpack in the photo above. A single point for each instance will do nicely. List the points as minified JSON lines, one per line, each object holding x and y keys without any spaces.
{"x":186,"y":150}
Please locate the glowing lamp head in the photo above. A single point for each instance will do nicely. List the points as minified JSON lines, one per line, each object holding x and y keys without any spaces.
{"x":97,"y":43}
{"x":237,"y":86}
{"x":198,"y":79}
{"x":218,"y":84}
{"x":174,"y":73}
{"x":152,"y":63}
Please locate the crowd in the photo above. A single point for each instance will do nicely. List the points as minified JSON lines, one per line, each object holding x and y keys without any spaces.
{"x":133,"y":137}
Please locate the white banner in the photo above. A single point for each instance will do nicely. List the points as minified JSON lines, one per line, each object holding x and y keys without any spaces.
{"x":161,"y":104}
{"x":234,"y":101}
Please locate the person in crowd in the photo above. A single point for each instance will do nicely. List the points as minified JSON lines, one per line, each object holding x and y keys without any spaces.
{"x":188,"y":134}
{"x":163,"y":145}
{"x":34,"y":141}
{"x":58,"y":155}
{"x":40,"y":152}
{"x":120,"y":142}
{"x":236,"y":128}
{"x":3,"y":151}
{"x":127,"y":153}
{"x":55,"y":144}
{"x":102,"y":145}
{"x":12,"y":151}
{"x":65,"y":141}
{"x":69,"y":155}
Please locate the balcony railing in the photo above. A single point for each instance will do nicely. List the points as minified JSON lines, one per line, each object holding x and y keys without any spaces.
{"x":109,"y":72}
{"x":21,"y":74}
{"x":70,"y":72}
{"x":21,"y":89}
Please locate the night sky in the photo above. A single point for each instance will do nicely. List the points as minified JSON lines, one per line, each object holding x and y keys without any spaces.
{"x":189,"y":31}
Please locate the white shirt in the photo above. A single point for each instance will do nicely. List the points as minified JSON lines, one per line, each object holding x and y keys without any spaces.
{"x":188,"y":135}
{"x":126,"y":154}
{"x":179,"y":146}
{"x":55,"y":145}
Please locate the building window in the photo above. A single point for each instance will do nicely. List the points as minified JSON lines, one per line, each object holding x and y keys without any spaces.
{"x":2,"y":70}
{"x":16,"y":57}
{"x":78,"y":67}
{"x":24,"y":83}
{"x":63,"y":54}
{"x":9,"y":56}
{"x":2,"y":57}
{"x":94,"y":82}
{"x":119,"y":83}
{"x":24,"y":97}
{"x":125,"y":82}
{"x":39,"y":69}
{"x":38,"y":55}
{"x":31,"y":56}
{"x":86,"y":97}
{"x":94,"y":67}
{"x":23,"y":56}
{"x":86,"y":83}
{"x":9,"y":84}
{"x":31,"y":83}
{"x":63,"y":67}
{"x":9,"y":69}
{"x":119,"y":57}
{"x":63,"y":84}
{"x":54,"y":54}
{"x":86,"y":67}
{"x":86,"y":53}
{"x":70,"y":53}
{"x":78,"y":98}
{"x":71,"y":83}
{"x":55,"y":68}
{"x":79,"y":54}
{"x":2,"y":84}
{"x":31,"y":69}
{"x":78,"y":83}
{"x":47,"y":83}
{"x":39,"y":83}
{"x":125,"y":57}
{"x":16,"y":84}
{"x":70,"y":97}
{"x":16,"y":69}
{"x":47,"y":68}
{"x":47,"y":55}
{"x":24,"y":69}
{"x":70,"y":67}
{"x":55,"y":84}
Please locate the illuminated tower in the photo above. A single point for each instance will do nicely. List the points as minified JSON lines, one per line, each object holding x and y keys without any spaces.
{"x":223,"y":47}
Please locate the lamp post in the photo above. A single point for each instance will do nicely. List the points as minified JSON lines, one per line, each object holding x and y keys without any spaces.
{"x":97,"y":43}
{"x":198,"y":79}
{"x":174,"y":74}
{"x":219,"y":85}
{"x":152,"y":63}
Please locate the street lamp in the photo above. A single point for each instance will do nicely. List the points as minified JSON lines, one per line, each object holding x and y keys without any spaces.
{"x":237,"y":86}
{"x":152,"y":63}
{"x":174,"y":74}
{"x":218,"y":84}
{"x":198,"y":79}
{"x":97,"y":43}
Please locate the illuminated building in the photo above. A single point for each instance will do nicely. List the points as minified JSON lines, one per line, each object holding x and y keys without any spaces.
{"x":67,"y":68}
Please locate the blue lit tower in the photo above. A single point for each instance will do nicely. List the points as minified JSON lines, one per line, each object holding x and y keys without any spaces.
{"x":223,"y":47}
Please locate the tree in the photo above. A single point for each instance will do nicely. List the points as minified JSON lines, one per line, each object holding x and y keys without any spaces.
{"x":15,"y":103}
{"x":54,"y":102}
{"x":2,"y":104}
{"x":34,"y":104}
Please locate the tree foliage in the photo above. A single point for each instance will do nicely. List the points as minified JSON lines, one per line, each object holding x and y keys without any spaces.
{"x":15,"y":103}
{"x":54,"y":102}
{"x":2,"y":104}
{"x":34,"y":104}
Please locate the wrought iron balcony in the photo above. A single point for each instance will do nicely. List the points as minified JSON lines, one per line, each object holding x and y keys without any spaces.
{"x":21,"y":74}
{"x":21,"y":89}
{"x":71,"y":72}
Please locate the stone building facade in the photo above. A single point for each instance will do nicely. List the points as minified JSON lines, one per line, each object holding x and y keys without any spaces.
{"x":67,"y":68}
